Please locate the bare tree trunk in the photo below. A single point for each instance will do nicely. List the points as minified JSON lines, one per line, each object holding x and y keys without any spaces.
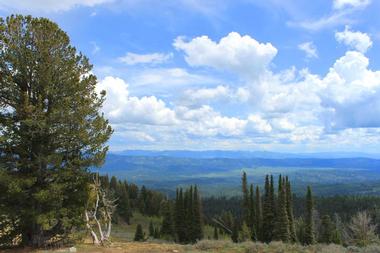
{"x":95,"y":239}
{"x":100,"y":215}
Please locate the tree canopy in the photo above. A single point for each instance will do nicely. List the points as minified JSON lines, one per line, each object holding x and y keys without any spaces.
{"x":51,"y":129}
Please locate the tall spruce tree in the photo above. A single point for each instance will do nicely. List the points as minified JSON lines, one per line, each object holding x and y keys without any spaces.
{"x":309,"y":226}
{"x":216,"y":234}
{"x":259,"y":215}
{"x":289,"y":208}
{"x":180,"y":225}
{"x":282,"y":224}
{"x":51,"y":129}
{"x":235,"y":232}
{"x":124,"y":209}
{"x":268,"y":211}
{"x":151,"y":229}
{"x":252,"y":213}
{"x":272,"y":196}
{"x":113,"y":184}
{"x":327,"y":230}
{"x":245,"y":204}
{"x":189,"y":215}
{"x":139,"y":234}
{"x":197,"y":211}
{"x":167,"y":227}
{"x":142,"y":199}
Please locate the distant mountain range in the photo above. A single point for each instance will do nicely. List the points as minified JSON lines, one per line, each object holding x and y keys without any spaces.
{"x":219,"y":172}
{"x":244,"y":154}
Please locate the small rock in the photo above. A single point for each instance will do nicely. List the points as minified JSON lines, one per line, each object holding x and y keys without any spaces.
{"x":72,"y":249}
{"x":175,"y":251}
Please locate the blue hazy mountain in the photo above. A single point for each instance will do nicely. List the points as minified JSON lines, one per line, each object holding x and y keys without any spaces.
{"x":243,"y":154}
{"x":219,"y":172}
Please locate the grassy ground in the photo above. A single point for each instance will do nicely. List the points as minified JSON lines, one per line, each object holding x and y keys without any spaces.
{"x":209,"y":246}
{"x":125,"y":233}
{"x":122,"y":237}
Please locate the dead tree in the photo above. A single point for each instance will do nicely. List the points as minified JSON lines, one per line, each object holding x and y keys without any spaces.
{"x":98,"y":213}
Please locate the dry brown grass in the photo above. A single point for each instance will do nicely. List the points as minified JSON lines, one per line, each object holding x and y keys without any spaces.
{"x":208,"y":246}
{"x":125,"y":247}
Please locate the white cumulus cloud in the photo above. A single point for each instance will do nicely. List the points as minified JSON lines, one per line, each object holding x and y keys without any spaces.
{"x":352,"y":93}
{"x":121,"y":107}
{"x":258,"y":124}
{"x":235,"y":53}
{"x":356,"y":40}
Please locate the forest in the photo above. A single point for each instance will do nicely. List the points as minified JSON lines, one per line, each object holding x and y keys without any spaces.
{"x":54,"y":138}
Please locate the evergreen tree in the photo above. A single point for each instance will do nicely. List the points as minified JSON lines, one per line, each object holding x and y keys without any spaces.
{"x":151,"y":229}
{"x":227,"y":219}
{"x":272,"y":197}
{"x":167,"y":227}
{"x":246,"y":204}
{"x":268,"y":211}
{"x":189,"y":216}
{"x":197,"y":210}
{"x":51,"y":129}
{"x":113,"y":184}
{"x":259,"y":216}
{"x":180,"y":217}
{"x":245,"y":233}
{"x":338,"y":230}
{"x":124,"y":209}
{"x":252,"y":213}
{"x":289,"y":208}
{"x":216,"y":235}
{"x":282,"y":224}
{"x":156,"y":234}
{"x":327,"y":230}
{"x":300,"y":230}
{"x":139,"y":234}
{"x":142,"y":199}
{"x":235,"y":232}
{"x":309,"y":226}
{"x":105,"y":181}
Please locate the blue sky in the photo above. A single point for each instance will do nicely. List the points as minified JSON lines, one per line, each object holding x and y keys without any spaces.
{"x":294,"y":76}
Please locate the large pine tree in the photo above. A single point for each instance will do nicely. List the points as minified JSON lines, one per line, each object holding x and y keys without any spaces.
{"x":309,"y":226}
{"x":282,"y":223}
{"x":327,"y":230}
{"x":180,"y":225}
{"x":197,"y":218}
{"x":139,"y":234}
{"x":245,"y":204}
{"x":268,"y":211}
{"x":188,"y":215}
{"x":51,"y":128}
{"x":167,"y":227}
{"x":259,"y":215}
{"x":289,"y":208}
{"x":124,"y":209}
{"x":252,"y":213}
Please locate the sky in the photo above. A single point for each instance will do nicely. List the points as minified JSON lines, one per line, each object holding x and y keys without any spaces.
{"x":275,"y":75}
